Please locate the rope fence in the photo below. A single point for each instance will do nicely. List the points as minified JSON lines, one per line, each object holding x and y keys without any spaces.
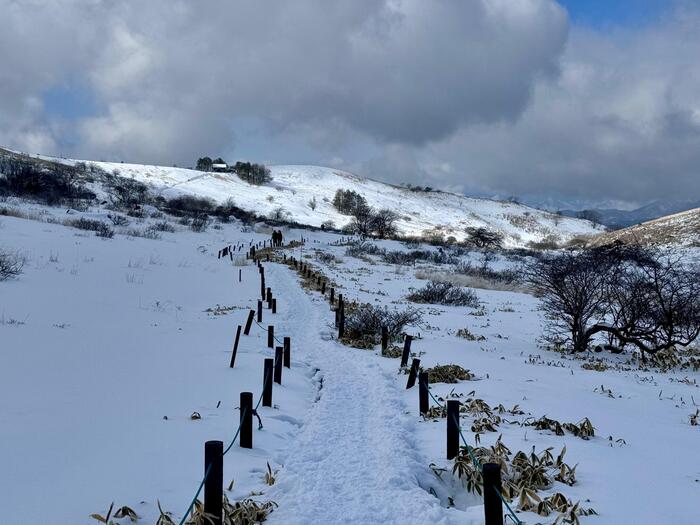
{"x":244,"y":410}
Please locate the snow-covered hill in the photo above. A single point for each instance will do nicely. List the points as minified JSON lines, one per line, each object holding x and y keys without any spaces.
{"x":293,"y":188}
{"x":680,"y":229}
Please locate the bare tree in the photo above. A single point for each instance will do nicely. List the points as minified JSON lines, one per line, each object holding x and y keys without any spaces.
{"x":363,"y":220}
{"x":634,"y":296}
{"x":484,"y":238}
{"x":11,"y":264}
{"x":384,"y":223}
{"x":571,"y":288}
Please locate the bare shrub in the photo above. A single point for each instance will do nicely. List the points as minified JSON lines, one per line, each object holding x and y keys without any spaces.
{"x":443,"y":292}
{"x":363,"y":248}
{"x":118,"y":220}
{"x":436,"y":257}
{"x":199,"y":223}
{"x":146,"y":233}
{"x":164,"y":226}
{"x":507,"y":276}
{"x":100,"y":228}
{"x":126,"y":193}
{"x":364,"y":322}
{"x":11,"y":264}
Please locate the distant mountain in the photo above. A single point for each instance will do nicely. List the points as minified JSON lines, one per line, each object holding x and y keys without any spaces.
{"x":304,"y":194}
{"x":615,"y":218}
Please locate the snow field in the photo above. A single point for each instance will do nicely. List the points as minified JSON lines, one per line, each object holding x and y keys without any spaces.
{"x":102,"y":339}
{"x":99,"y":339}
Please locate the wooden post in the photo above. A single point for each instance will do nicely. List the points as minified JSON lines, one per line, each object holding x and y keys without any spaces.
{"x":274,"y":305}
{"x":406,"y":350}
{"x":269,"y":297}
{"x":214,"y":484}
{"x":249,"y":322}
{"x":246,"y":440}
{"x":240,"y":274}
{"x":323,"y":288}
{"x":493,"y":506}
{"x":270,"y":336}
{"x":415,"y":364}
{"x":332,"y":295}
{"x":262,"y":287}
{"x":452,"y":428}
{"x":279,"y":357}
{"x":287,"y":352}
{"x":259,"y":311}
{"x":341,"y":321}
{"x":385,"y":338}
{"x":267,"y":382}
{"x":235,"y":347}
{"x":423,"y":387}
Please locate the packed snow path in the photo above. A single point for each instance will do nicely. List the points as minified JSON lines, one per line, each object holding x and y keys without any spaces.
{"x":354,"y":460}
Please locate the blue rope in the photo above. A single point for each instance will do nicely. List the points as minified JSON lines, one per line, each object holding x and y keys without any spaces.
{"x":431,"y":395}
{"x":265,"y":330}
{"x":238,"y":431}
{"x":206,"y":474}
{"x":201,"y":485}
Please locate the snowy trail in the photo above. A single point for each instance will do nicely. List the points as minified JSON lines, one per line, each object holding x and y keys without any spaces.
{"x":354,"y":460}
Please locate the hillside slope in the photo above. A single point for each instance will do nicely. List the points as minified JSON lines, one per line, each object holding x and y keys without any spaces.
{"x":293,"y":188}
{"x":682,"y":229}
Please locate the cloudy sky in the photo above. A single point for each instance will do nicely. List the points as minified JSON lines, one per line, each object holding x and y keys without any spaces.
{"x":593,"y":100}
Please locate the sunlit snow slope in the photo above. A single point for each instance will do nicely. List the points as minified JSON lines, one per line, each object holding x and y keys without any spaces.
{"x":293,"y":187}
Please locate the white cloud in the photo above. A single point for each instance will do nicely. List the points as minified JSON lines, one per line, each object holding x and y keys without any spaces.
{"x":494,"y":95}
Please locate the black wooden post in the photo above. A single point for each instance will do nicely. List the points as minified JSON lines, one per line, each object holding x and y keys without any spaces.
{"x":267,"y":382}
{"x":385,"y":338}
{"x":332,"y":295}
{"x":262,"y":288}
{"x":270,"y":336}
{"x":259,"y":311}
{"x":406,"y":350}
{"x":493,"y":506}
{"x":235,"y":347}
{"x":269,"y":297}
{"x":246,"y":440}
{"x":415,"y":365}
{"x":423,"y":387}
{"x":341,"y":320}
{"x":287,"y":352}
{"x":214,"y":484}
{"x":323,"y":288}
{"x":452,"y":428}
{"x":274,"y":305}
{"x":249,"y":322}
{"x":279,"y":357}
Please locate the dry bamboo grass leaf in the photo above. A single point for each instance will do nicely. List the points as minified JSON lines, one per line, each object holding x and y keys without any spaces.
{"x":448,"y":374}
{"x":103,"y":519}
{"x":126,"y":512}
